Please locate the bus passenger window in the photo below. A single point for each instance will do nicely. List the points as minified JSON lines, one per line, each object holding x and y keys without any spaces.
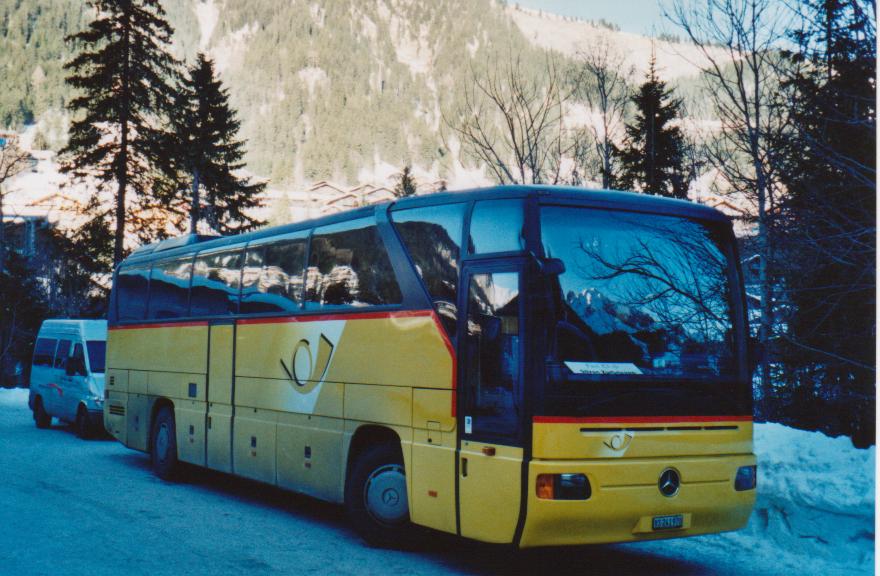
{"x":348,"y":266}
{"x":132,"y":287}
{"x":216,"y":278}
{"x":496,"y":226}
{"x":272,"y":277}
{"x":432,"y":236}
{"x":169,"y":289}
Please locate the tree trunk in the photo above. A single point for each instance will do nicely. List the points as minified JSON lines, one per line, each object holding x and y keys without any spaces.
{"x":2,"y":237}
{"x":122,"y":170}
{"x":194,"y":209}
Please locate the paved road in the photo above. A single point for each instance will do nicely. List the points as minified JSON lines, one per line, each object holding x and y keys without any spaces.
{"x":70,"y":507}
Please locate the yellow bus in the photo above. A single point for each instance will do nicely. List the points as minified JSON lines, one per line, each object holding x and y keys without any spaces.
{"x":521,"y":364}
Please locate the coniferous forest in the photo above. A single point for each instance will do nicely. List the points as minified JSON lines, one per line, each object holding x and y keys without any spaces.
{"x":176,"y":128}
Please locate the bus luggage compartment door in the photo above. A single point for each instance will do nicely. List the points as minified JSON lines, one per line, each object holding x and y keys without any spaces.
{"x":220,"y":390}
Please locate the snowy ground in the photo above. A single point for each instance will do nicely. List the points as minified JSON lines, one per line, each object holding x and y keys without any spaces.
{"x":69,"y":507}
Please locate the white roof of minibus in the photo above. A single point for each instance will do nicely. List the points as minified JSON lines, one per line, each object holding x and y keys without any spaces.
{"x":87,"y":329}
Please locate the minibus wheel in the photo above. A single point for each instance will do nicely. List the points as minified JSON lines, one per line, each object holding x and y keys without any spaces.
{"x":163,"y":443}
{"x":376,"y":499}
{"x":83,"y":424}
{"x":41,"y":417}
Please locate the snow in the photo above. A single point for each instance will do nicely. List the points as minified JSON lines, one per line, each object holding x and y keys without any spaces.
{"x":94,"y":508}
{"x":207,"y":15}
{"x":570,"y":36}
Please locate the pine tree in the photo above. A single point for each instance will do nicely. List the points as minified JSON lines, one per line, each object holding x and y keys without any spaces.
{"x":210,"y":155}
{"x":406,"y":184}
{"x":829,"y":215}
{"x":653,"y":151}
{"x":124,"y":75}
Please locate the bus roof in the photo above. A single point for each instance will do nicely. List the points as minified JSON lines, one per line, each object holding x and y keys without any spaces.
{"x":608,"y":199}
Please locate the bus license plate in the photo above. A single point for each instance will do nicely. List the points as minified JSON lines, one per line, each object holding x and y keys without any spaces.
{"x":667,"y":522}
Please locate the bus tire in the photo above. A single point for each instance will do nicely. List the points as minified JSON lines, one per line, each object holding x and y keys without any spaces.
{"x":41,"y":418}
{"x":376,"y":499}
{"x":83,"y":423}
{"x":163,"y":445}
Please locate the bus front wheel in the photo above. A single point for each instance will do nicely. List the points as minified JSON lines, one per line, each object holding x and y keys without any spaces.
{"x":375,"y":497}
{"x":41,"y":418}
{"x":163,"y":455}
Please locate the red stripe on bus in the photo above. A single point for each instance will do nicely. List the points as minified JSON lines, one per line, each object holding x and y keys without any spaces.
{"x":451,"y":349}
{"x":160,"y":325}
{"x":331,"y":317}
{"x":636,"y":419}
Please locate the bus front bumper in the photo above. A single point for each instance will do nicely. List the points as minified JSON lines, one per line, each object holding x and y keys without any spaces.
{"x":625,"y":498}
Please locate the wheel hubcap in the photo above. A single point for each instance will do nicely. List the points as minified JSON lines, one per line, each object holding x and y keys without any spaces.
{"x":385,"y":495}
{"x":162,"y":442}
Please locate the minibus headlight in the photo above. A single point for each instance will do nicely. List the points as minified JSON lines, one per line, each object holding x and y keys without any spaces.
{"x":562,"y":487}
{"x":746,"y":478}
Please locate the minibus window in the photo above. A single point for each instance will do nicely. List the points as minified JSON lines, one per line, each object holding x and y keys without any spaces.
{"x":61,"y":354}
{"x":97,"y":354}
{"x":44,"y":351}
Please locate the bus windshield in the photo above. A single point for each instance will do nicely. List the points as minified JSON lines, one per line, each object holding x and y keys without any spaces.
{"x":644,"y":307}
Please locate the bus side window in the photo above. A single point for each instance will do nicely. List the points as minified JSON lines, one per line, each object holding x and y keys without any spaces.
{"x":169,"y":289}
{"x":496,"y":226}
{"x":132,"y":285}
{"x":348,"y":266}
{"x":215,"y":284}
{"x":432,"y":236}
{"x":272,"y":277}
{"x":44,"y":350}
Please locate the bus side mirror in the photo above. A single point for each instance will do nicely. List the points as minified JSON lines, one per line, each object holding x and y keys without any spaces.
{"x":550,"y":266}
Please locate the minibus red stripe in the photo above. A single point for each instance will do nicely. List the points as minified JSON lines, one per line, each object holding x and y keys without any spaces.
{"x":159,"y":325}
{"x":636,"y":419}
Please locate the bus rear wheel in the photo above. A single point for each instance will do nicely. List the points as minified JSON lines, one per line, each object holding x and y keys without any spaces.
{"x":41,"y":418}
{"x":163,"y":442}
{"x":376,"y":499}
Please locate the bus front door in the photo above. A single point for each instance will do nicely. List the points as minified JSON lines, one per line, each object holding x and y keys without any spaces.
{"x":221,"y":342}
{"x":490,"y":403}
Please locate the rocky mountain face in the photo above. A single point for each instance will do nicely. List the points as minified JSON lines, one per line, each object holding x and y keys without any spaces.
{"x":346,"y":90}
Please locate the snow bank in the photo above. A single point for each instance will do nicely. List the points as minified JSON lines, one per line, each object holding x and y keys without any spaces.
{"x":815,"y":507}
{"x":13,"y":396}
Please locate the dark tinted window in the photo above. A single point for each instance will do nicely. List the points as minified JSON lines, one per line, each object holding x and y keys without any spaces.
{"x":61,"y":353}
{"x":44,"y":351}
{"x":348,"y":266}
{"x":97,"y":354}
{"x":131,"y":293}
{"x":215,"y":283}
{"x":493,"y":354}
{"x":496,"y":226}
{"x":78,"y":359}
{"x":169,"y":289}
{"x":273,"y":277}
{"x":432,"y":236}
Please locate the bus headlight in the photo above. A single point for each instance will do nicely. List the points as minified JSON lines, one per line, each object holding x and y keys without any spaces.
{"x":746,"y":478}
{"x":562,"y":487}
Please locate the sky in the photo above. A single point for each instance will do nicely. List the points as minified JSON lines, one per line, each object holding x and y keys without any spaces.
{"x":640,"y":16}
